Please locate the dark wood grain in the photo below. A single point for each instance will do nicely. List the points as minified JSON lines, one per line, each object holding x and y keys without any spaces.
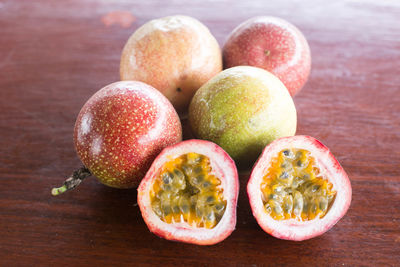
{"x":55,"y":54}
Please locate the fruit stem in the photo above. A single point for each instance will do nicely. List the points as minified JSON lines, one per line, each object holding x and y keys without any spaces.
{"x":73,"y":181}
{"x":267,"y":52}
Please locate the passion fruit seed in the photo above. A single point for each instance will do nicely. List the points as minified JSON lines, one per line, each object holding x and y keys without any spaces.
{"x":293,"y":187}
{"x":186,"y":192}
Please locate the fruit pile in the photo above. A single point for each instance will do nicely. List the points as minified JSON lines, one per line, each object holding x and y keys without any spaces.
{"x":129,"y":133}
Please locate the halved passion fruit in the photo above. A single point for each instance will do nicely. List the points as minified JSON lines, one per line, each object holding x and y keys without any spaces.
{"x":190,"y":193}
{"x":297,"y":189}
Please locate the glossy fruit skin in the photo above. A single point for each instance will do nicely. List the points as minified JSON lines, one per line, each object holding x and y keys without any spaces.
{"x":121,"y":129}
{"x":224,"y":168}
{"x":293,"y":229}
{"x":272,"y":44}
{"x":175,"y":54}
{"x":243,"y":109}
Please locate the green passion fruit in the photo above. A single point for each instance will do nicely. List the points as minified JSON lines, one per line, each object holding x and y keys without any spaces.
{"x":243,"y":109}
{"x":297,"y":189}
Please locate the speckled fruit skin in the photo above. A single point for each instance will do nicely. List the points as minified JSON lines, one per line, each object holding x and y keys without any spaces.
{"x":293,"y":229}
{"x":272,"y":44}
{"x":243,"y":109}
{"x":121,"y":129}
{"x":222,"y":166}
{"x":175,"y":54}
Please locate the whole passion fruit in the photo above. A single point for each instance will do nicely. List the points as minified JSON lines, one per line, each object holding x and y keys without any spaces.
{"x":297,"y":189}
{"x":190,"y":193}
{"x":272,"y":44}
{"x":175,"y":54}
{"x":243,"y":109}
{"x":119,"y":132}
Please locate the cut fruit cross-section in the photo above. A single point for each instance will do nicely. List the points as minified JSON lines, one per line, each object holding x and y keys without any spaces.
{"x":297,"y":189}
{"x":190,"y":193}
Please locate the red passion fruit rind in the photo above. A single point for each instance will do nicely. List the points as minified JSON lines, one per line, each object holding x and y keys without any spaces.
{"x":221,"y":166}
{"x":291,"y":228}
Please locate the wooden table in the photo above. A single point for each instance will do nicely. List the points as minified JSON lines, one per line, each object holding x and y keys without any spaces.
{"x":55,"y":54}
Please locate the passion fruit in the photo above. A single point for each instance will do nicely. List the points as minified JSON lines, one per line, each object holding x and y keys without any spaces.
{"x":273,"y":44}
{"x":175,"y":54}
{"x":190,"y":193}
{"x":297,"y":189}
{"x":119,"y":132}
{"x":243,"y":109}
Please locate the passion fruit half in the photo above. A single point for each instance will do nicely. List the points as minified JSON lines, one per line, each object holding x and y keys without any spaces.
{"x":297,"y":189}
{"x":190,"y":193}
